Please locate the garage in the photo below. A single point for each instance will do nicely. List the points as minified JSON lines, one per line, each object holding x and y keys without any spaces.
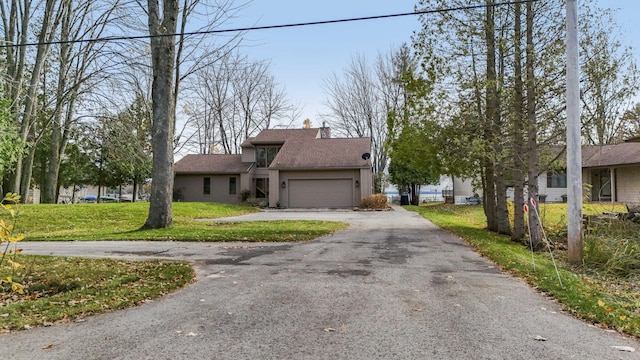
{"x":320,"y":193}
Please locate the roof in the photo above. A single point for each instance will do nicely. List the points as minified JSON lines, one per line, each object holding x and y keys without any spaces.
{"x":280,"y":136}
{"x":323,"y":154}
{"x":211,"y":164}
{"x":627,"y":153}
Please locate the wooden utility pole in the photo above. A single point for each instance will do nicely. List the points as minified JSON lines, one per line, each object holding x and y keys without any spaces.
{"x":574,"y":149}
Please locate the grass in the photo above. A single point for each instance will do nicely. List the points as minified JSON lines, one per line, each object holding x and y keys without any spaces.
{"x":599,"y":297}
{"x":122,"y":221}
{"x":59,"y":289}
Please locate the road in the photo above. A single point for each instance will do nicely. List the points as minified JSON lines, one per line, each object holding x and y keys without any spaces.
{"x":391,"y":286}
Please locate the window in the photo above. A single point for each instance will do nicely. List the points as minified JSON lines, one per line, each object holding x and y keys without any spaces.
{"x":232,"y":185}
{"x":557,"y":179}
{"x":206,"y":186}
{"x":265,"y":155}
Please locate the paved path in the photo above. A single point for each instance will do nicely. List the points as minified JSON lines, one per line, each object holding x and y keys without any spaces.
{"x":391,"y":286}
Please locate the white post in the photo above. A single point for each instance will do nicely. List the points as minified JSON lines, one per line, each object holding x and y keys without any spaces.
{"x":574,"y":150}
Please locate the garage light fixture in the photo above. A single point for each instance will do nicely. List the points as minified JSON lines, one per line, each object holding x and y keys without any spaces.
{"x":357,"y":183}
{"x":284,"y":185}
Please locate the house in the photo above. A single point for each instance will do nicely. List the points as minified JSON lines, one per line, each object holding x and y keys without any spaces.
{"x":610,"y":173}
{"x":613,"y":172}
{"x":292,"y":168}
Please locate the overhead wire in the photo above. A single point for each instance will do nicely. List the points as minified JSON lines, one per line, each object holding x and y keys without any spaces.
{"x":268,"y":27}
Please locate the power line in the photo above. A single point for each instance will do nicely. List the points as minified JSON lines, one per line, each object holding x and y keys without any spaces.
{"x":267,"y":27}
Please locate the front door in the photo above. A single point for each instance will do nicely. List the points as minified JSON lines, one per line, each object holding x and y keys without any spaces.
{"x":601,"y":185}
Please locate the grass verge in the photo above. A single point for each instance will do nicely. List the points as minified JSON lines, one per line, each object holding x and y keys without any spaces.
{"x":122,"y":221}
{"x":611,"y":302}
{"x":59,"y":289}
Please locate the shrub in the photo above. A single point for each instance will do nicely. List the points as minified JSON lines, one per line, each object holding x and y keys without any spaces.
{"x":7,"y":237}
{"x":375,"y":202}
{"x":613,"y":248}
{"x":261,"y":203}
{"x":245,"y":195}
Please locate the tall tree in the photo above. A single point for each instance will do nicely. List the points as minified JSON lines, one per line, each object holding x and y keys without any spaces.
{"x":610,"y":80}
{"x":16,"y":17}
{"x":80,"y":68}
{"x":478,"y":52}
{"x":362,"y":97}
{"x":162,"y":28}
{"x":519,"y":154}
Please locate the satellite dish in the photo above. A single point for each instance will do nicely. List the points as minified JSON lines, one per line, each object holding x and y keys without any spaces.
{"x":366,"y":156}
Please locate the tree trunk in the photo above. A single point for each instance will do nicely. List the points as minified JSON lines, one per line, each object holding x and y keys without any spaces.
{"x":163,"y":128}
{"x":49,"y":22}
{"x":490,"y":204}
{"x":50,"y":188}
{"x":532,"y":133}
{"x":502,"y":209}
{"x":519,"y":230}
{"x":25,"y":184}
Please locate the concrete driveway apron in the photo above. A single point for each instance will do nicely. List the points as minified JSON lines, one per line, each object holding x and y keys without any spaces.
{"x":391,"y":286}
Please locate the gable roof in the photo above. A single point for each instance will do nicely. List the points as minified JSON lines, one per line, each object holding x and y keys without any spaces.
{"x":626,"y":153}
{"x":211,"y":164}
{"x":319,"y":153}
{"x":280,"y":136}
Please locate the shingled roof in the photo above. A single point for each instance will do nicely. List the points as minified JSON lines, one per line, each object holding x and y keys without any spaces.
{"x":626,"y":153}
{"x":210,"y":164}
{"x":280,"y":136}
{"x":319,"y":153}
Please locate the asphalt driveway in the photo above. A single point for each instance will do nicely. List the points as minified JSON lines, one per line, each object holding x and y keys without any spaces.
{"x":391,"y":286}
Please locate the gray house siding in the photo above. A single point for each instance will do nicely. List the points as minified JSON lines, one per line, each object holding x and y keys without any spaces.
{"x":192,"y":188}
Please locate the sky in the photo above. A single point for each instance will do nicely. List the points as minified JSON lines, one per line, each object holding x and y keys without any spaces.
{"x":302,"y":58}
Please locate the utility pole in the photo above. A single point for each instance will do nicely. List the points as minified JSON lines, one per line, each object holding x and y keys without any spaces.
{"x":574,"y":149}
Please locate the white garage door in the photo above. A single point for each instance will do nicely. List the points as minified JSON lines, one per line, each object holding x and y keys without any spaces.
{"x":321,"y":193}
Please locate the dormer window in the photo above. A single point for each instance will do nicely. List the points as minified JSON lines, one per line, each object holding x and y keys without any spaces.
{"x":265,"y":155}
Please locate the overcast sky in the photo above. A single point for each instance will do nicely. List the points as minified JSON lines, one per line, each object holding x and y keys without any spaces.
{"x":303,"y":57}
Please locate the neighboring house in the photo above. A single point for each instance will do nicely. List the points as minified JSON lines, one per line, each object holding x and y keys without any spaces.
{"x":292,"y":168}
{"x":611,"y":172}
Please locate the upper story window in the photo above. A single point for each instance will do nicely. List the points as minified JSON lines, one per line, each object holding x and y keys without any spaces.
{"x":557,"y":179}
{"x":265,"y":155}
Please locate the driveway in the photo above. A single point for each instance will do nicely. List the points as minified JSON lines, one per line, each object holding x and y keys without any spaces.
{"x":391,"y":286}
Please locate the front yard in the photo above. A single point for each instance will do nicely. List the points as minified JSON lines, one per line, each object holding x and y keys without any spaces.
{"x":43,"y":290}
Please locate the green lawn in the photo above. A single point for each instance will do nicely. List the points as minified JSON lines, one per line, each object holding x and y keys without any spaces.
{"x":595,"y":295}
{"x":60,"y":289}
{"x":122,"y":221}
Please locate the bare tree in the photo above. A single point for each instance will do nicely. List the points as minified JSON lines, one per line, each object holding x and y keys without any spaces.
{"x":609,"y":81}
{"x":79,"y":70}
{"x":235,"y":98}
{"x":162,"y":27}
{"x":16,"y":17}
{"x":363,"y":96}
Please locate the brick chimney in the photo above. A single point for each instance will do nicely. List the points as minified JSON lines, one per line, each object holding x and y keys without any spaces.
{"x":325,"y":131}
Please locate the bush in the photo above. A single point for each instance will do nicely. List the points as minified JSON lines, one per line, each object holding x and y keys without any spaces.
{"x":245,"y":195}
{"x":375,"y":202}
{"x":613,"y":248}
{"x":261,"y":203}
{"x":7,"y":237}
